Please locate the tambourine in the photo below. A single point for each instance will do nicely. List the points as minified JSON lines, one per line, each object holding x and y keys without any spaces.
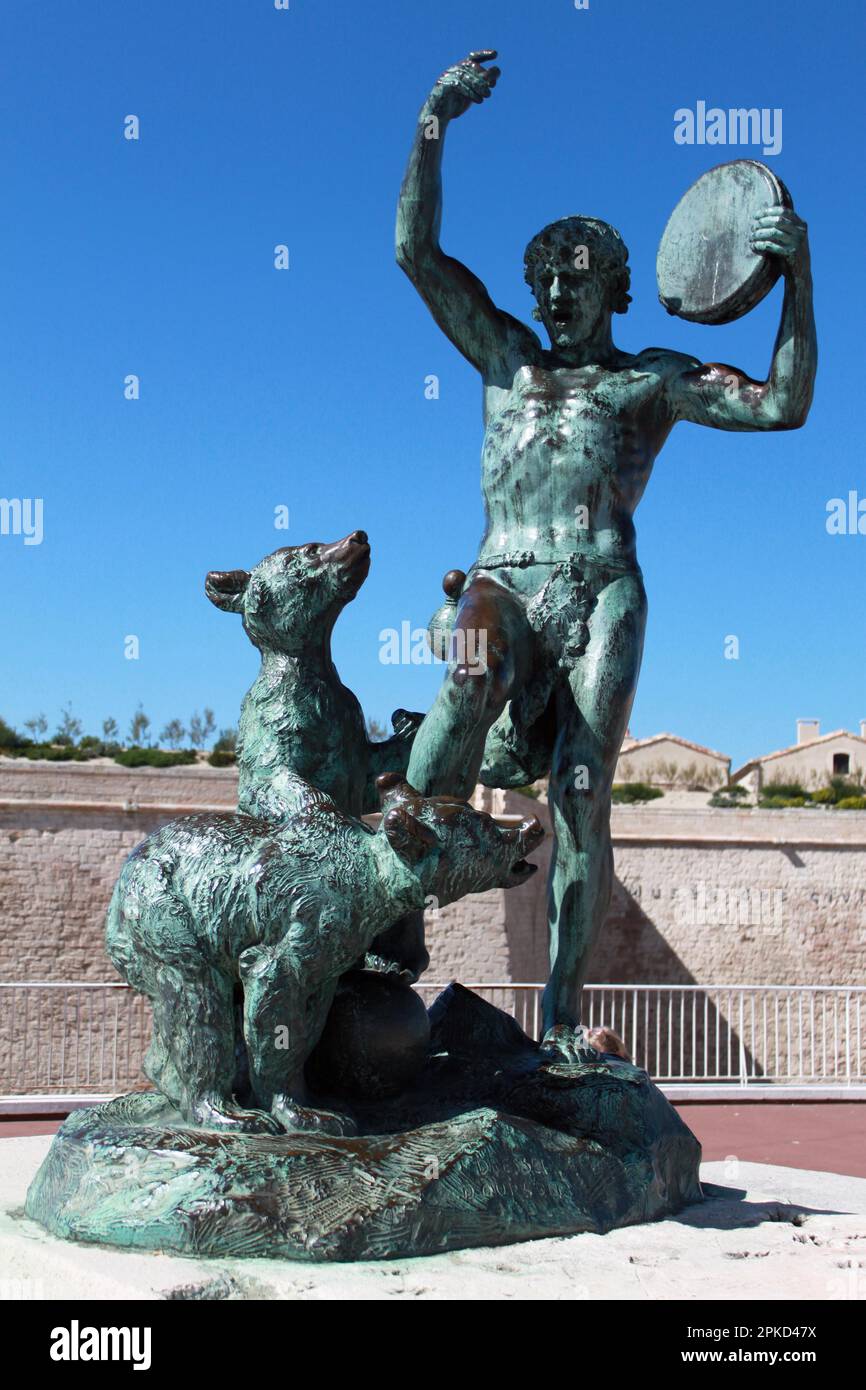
{"x":706,"y":269}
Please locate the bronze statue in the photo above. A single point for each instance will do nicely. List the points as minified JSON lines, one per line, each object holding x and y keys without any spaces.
{"x":571,"y":435}
{"x":456,"y":1129}
{"x":280,"y":909}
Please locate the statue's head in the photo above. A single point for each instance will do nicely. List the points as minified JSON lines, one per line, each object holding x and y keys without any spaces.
{"x":577,"y":268}
{"x":290,"y":601}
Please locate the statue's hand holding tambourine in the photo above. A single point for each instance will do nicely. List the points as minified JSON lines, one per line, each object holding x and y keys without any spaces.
{"x":727,"y":242}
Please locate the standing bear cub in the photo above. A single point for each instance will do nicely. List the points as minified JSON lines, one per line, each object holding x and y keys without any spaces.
{"x":282,"y":908}
{"x":298,"y":720}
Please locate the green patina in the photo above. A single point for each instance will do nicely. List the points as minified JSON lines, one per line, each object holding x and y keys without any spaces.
{"x":571,"y":434}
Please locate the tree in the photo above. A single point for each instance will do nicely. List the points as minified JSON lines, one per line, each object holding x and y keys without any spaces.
{"x":173,"y":734}
{"x":9,"y":737}
{"x":109,"y":730}
{"x":69,"y":728}
{"x":376,"y":732}
{"x":38,"y":727}
{"x":138,"y":727}
{"x":227,"y":741}
{"x":201,"y":726}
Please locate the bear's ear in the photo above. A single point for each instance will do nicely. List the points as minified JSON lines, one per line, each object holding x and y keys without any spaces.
{"x":226,"y":588}
{"x":407,"y":836}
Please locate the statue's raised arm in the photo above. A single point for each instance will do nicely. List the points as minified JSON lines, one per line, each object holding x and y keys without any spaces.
{"x":456,"y":298}
{"x":726,"y":398}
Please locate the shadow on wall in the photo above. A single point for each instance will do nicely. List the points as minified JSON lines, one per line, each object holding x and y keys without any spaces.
{"x":687,"y":1034}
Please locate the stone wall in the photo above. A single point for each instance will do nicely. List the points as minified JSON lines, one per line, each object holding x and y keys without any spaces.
{"x":705,"y":897}
{"x":64,"y":833}
{"x":701,"y":895}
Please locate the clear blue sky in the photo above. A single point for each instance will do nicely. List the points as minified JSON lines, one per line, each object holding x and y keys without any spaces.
{"x":306,"y":387}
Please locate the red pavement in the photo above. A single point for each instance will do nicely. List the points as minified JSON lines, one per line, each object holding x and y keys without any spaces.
{"x":829,"y":1137}
{"x":10,"y":1129}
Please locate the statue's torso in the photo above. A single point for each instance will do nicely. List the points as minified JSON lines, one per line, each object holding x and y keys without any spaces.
{"x":567,"y":454}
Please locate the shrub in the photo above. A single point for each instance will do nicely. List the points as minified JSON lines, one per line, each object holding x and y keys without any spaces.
{"x":843,"y":787}
{"x":785,"y":789}
{"x":222,"y":757}
{"x":56,"y":753}
{"x":628,"y":793}
{"x":781,"y":803}
{"x":9,"y":737}
{"x":851,"y":803}
{"x":730,"y":797}
{"x":824,"y":796}
{"x":154,"y":757}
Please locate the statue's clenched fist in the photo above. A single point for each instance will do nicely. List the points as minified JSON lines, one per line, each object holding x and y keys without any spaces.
{"x":462,"y":84}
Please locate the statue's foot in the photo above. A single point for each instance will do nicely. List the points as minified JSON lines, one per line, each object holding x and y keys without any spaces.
{"x":564,"y":1043}
{"x":219,"y":1114}
{"x":293,"y":1117}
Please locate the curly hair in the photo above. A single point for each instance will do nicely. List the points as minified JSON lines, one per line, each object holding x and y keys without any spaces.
{"x":608,"y":253}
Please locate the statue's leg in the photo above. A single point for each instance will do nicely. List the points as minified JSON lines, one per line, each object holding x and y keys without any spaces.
{"x":490,"y":625}
{"x":593,"y":708}
{"x":490,"y":660}
{"x":195,"y":1021}
{"x":158,"y":1065}
{"x":284,"y":1014}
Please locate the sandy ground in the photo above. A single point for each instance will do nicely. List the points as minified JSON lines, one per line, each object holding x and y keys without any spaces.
{"x":763,"y":1233}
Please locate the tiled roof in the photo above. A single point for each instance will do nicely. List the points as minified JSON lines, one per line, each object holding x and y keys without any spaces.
{"x":671,"y":738}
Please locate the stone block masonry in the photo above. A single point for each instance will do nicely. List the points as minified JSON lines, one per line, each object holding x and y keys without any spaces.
{"x":702,"y":896}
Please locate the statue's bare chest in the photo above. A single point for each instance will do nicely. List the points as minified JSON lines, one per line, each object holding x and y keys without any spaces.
{"x":591,"y":417}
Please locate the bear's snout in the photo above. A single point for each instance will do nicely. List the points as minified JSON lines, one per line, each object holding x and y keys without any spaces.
{"x":227,"y":581}
{"x":350,"y":550}
{"x":351,"y":556}
{"x":226,"y":588}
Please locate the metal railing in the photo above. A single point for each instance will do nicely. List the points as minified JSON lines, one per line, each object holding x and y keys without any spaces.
{"x":72,"y":1037}
{"x":731,"y":1034}
{"x":90,"y":1038}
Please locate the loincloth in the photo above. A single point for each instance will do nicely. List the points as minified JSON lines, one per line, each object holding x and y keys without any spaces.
{"x":519,"y":745}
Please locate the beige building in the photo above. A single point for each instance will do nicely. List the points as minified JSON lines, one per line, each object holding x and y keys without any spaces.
{"x":669,"y":761}
{"x":811,"y":761}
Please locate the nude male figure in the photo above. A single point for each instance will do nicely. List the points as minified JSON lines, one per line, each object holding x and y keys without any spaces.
{"x":571,"y":435}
